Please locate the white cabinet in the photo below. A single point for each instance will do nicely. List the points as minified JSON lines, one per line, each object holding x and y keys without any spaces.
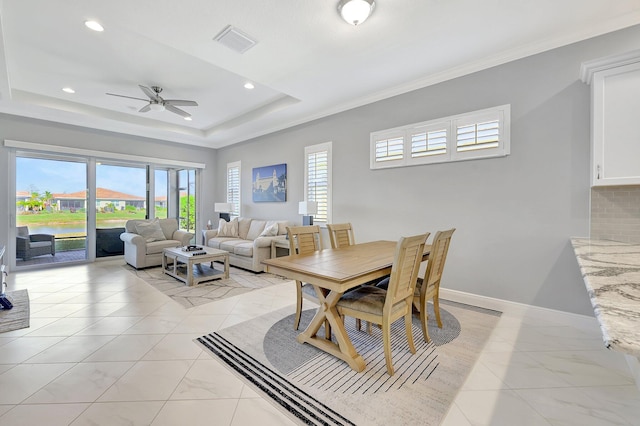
{"x":615,"y":119}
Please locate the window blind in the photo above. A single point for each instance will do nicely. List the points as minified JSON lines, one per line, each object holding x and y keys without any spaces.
{"x":233,"y":187}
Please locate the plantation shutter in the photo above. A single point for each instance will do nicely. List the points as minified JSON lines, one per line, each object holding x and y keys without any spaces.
{"x":317,"y":184}
{"x":389,"y":149}
{"x":233,"y":187}
{"x":478,"y":136}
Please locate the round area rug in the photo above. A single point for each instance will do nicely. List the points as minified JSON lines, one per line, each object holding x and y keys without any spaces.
{"x":285,"y":353}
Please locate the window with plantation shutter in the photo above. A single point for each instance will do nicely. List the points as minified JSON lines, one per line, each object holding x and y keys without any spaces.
{"x":233,"y":187}
{"x":389,"y":149}
{"x":317,"y":180}
{"x":474,"y":135}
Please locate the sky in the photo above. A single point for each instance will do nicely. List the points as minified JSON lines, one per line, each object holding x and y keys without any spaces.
{"x":67,"y":177}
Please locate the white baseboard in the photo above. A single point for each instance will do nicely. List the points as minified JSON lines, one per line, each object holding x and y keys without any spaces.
{"x":518,"y":309}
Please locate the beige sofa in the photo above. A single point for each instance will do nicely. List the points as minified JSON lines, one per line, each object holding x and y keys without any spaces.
{"x":144,"y":240}
{"x":246,"y":246}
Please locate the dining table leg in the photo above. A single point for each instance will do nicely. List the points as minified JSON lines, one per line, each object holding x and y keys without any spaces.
{"x":342,"y":348}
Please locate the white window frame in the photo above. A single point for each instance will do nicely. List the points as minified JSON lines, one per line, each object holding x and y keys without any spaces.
{"x":311,"y":188}
{"x":501,"y":114}
{"x":234,"y":194}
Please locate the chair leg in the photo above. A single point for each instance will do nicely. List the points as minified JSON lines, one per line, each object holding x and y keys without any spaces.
{"x":436,"y":309}
{"x":298,"y":304}
{"x":409,"y":328}
{"x":386,"y":338}
{"x":358,"y":324}
{"x":424,"y":322}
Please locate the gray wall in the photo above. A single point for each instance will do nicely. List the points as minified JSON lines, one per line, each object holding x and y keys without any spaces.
{"x":514,"y":215}
{"x":43,"y":132}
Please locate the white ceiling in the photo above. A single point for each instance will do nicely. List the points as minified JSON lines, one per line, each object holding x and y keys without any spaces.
{"x":308,"y":63}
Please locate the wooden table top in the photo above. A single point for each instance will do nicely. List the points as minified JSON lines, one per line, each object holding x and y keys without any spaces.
{"x":339,"y":269}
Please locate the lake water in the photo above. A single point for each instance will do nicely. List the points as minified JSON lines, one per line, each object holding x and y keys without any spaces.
{"x":60,"y":230}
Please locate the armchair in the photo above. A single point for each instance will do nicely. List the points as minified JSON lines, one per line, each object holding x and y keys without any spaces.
{"x":30,"y":245}
{"x":144,"y":240}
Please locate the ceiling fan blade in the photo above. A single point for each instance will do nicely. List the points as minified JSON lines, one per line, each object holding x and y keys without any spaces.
{"x":150,"y":93}
{"x":129,"y":97}
{"x":179,"y":102}
{"x":145,"y":108}
{"x":175,"y":110}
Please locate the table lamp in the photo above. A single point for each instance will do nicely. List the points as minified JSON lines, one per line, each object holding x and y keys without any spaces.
{"x":307,"y":209}
{"x":224,"y":209}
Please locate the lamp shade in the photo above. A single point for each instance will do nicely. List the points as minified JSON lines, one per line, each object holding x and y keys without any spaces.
{"x":307,"y":207}
{"x":355,"y":12}
{"x":222,"y":207}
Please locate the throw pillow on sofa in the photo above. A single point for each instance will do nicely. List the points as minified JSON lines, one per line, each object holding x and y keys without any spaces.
{"x":228,"y":229}
{"x":150,"y":231}
{"x":271,"y":230}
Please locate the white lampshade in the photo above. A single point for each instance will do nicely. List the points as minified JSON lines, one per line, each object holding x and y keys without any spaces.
{"x":307,"y":207}
{"x":222,"y":207}
{"x":355,"y":12}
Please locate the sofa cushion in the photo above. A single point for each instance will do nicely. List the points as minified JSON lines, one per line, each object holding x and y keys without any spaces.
{"x":228,"y":229}
{"x":256,"y":228}
{"x":156,"y":247}
{"x":215,"y":242}
{"x":231,"y":244}
{"x":282,"y":227}
{"x":169,"y":226}
{"x":270,"y":229}
{"x":150,"y":231}
{"x":244,"y":249}
{"x":243,"y":227}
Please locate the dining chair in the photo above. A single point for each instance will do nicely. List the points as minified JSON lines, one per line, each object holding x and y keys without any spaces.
{"x":428,"y":288}
{"x":383,"y":307}
{"x":303,"y":240}
{"x":341,"y":234}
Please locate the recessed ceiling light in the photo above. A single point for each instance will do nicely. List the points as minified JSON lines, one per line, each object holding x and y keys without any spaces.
{"x":188,"y":118}
{"x":249,"y":85}
{"x":68,"y":90}
{"x":95,"y":26}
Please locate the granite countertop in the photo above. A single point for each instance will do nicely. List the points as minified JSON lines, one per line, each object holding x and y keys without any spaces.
{"x":611,"y":272}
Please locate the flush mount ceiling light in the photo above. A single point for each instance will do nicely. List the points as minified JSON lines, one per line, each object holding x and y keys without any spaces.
{"x":355,"y":12}
{"x":68,"y":90}
{"x":93,"y":25}
{"x":249,"y":85}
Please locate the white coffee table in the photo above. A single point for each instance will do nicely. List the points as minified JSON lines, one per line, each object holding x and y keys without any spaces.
{"x":201,"y":272}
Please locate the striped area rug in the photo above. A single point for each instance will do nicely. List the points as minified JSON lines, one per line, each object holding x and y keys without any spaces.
{"x":18,"y":316}
{"x":316,"y":388}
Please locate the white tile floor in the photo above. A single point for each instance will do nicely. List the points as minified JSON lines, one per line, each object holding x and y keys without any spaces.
{"x":105,"y":348}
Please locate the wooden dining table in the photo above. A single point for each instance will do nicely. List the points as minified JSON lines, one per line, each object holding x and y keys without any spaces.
{"x":332,"y":272}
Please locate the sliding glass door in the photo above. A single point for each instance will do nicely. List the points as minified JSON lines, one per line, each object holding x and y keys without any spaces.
{"x":121,"y":194}
{"x":51,"y":210}
{"x":79,"y":204}
{"x":187,"y":199}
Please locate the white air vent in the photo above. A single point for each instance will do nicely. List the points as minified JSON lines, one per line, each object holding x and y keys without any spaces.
{"x":235,"y":39}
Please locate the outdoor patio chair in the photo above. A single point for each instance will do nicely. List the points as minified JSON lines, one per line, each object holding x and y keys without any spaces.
{"x":31,"y":245}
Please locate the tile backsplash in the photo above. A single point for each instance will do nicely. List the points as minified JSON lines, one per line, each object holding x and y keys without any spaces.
{"x":615,"y":213}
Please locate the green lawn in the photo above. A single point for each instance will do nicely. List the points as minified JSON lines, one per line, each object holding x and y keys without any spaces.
{"x":79,"y":216}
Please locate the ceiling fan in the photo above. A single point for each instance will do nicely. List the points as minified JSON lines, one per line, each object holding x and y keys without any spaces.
{"x":157,"y":103}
